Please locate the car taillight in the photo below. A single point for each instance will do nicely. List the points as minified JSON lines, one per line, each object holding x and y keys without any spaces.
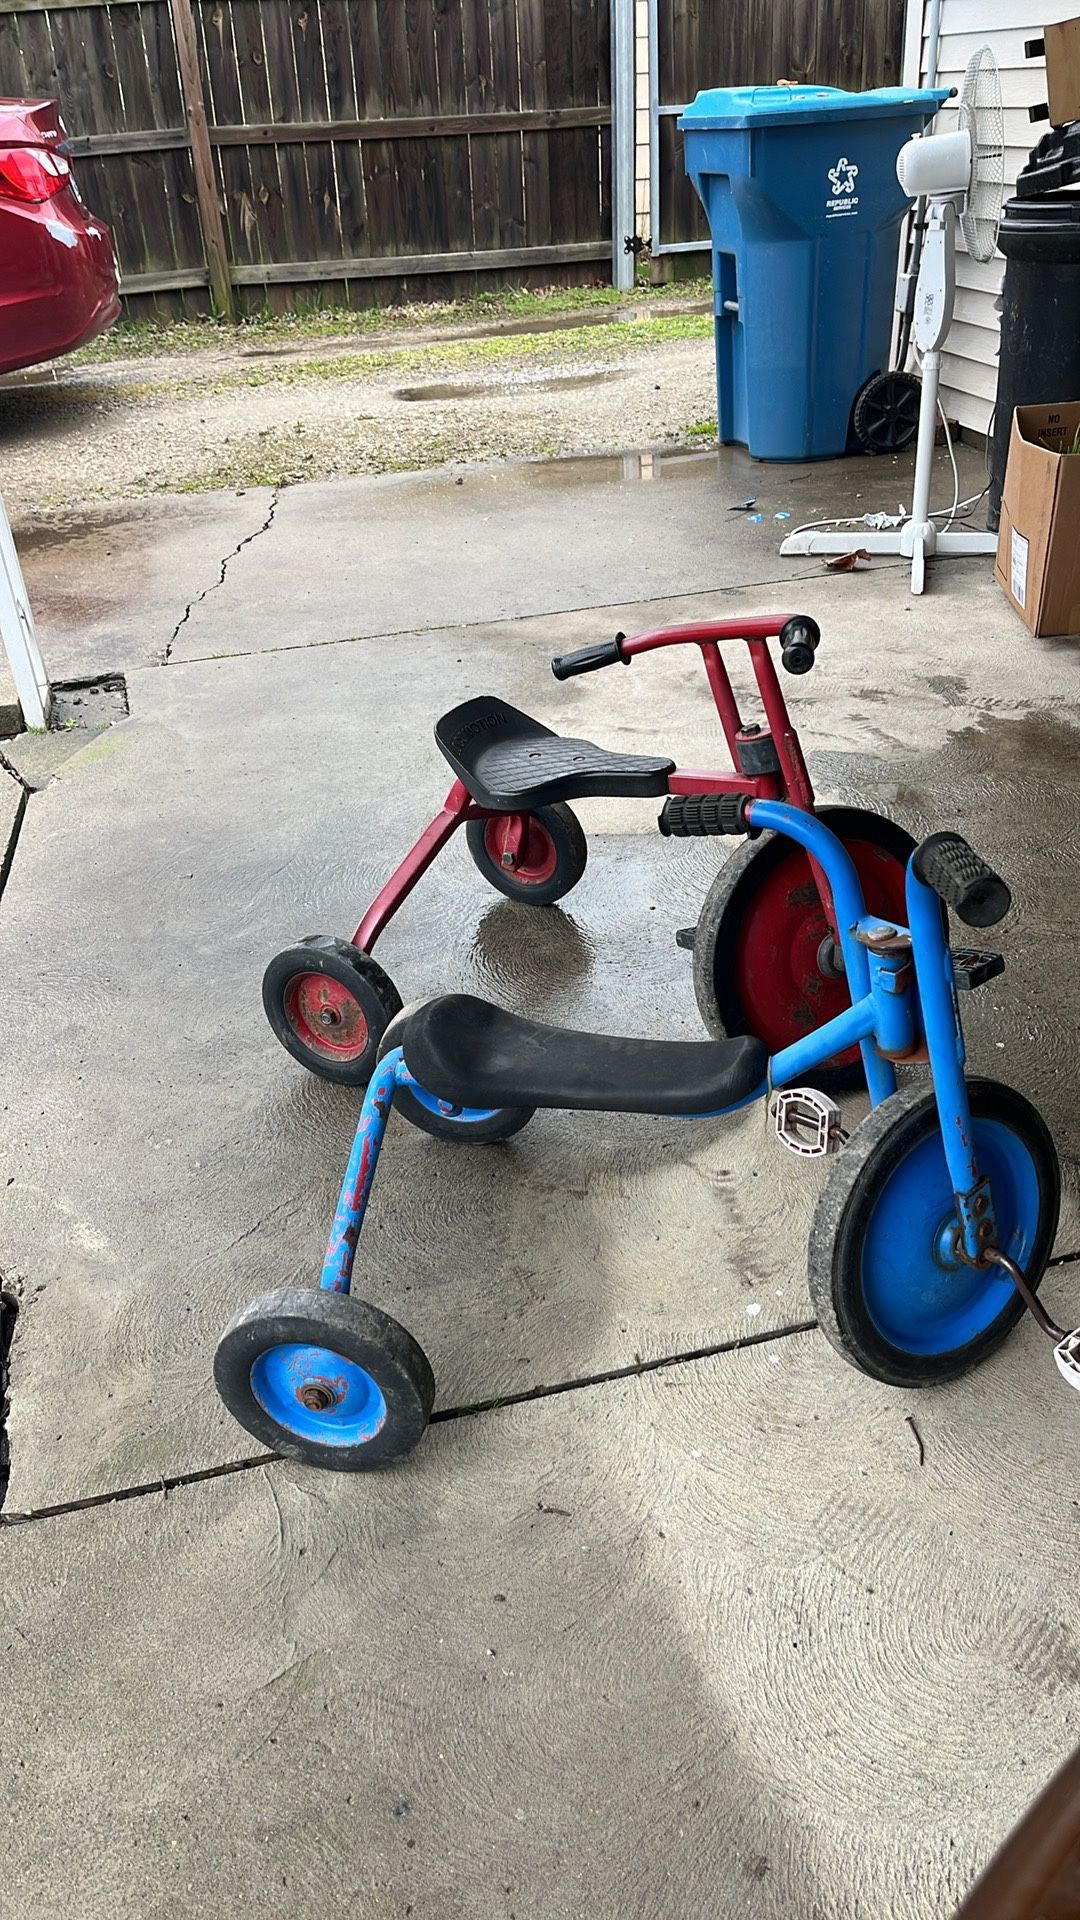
{"x":32,"y":173}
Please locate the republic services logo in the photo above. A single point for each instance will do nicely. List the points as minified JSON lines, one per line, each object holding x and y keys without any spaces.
{"x":842,"y":177}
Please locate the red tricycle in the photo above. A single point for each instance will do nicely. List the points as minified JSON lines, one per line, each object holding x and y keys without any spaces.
{"x":767,"y":957}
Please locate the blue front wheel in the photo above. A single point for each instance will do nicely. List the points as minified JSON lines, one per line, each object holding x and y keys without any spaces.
{"x":326,"y":1378}
{"x":888,"y":1288}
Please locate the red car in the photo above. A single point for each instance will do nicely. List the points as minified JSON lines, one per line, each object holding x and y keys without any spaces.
{"x":58,"y":277}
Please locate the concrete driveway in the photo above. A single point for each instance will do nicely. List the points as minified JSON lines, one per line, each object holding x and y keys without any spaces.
{"x":705,"y":1625}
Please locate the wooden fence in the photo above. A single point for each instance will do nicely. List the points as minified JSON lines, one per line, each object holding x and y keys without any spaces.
{"x":836,"y":43}
{"x":251,"y":150}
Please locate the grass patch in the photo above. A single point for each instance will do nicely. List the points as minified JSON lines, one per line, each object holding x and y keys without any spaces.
{"x":463,"y":356}
{"x":315,"y":322}
{"x":700,"y":430}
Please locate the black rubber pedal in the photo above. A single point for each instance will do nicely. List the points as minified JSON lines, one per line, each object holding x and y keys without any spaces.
{"x":693,"y":816}
{"x":685,"y":937}
{"x":974,"y":966}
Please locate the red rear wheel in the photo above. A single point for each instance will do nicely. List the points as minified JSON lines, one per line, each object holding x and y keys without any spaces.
{"x":548,"y":860}
{"x":329,"y":1005}
{"x":764,"y":959}
{"x":325,"y":1016}
{"x":538,"y":855}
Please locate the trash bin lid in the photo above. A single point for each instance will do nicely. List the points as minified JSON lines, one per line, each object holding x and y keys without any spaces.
{"x":1043,"y":213}
{"x":724,"y":107}
{"x":1054,"y":163}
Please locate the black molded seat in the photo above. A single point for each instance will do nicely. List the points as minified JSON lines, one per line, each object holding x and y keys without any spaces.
{"x":509,"y":761}
{"x":472,"y":1053}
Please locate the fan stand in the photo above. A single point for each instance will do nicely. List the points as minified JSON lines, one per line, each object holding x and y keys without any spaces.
{"x":920,"y":537}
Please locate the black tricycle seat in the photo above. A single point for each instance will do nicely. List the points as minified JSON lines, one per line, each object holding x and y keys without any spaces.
{"x":473,"y":1054}
{"x":510,"y":763}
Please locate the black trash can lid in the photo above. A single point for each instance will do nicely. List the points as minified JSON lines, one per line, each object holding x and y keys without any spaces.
{"x":1051,"y":213}
{"x":1054,"y":163}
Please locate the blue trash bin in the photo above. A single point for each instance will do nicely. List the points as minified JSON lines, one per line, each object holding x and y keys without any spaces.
{"x":800,"y":189}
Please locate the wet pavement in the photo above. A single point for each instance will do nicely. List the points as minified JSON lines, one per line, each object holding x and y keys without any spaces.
{"x":716,"y":1637}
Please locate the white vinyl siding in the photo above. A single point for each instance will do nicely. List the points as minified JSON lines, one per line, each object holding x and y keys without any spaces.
{"x":969,"y":363}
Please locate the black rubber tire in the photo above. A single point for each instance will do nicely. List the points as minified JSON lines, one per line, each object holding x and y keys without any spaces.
{"x":845,"y":1207}
{"x":730,"y":897}
{"x":482,"y":1133}
{"x":571,"y":855}
{"x":351,"y":1328}
{"x":886,"y":412}
{"x":362,"y":977}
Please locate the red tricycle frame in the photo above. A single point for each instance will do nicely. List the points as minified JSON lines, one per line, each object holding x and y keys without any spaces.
{"x":790,"y":781}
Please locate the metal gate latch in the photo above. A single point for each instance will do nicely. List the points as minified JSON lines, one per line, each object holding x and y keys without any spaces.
{"x":808,"y":1122}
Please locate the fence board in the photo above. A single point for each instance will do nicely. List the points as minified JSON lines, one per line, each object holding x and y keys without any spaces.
{"x":367,"y":143}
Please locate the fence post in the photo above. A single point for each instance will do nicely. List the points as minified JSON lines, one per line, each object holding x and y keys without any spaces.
{"x":622,"y":142}
{"x":202,"y":160}
{"x":17,"y":635}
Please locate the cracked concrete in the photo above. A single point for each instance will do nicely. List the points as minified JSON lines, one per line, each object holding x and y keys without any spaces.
{"x":220,"y":581}
{"x":712,"y":1634}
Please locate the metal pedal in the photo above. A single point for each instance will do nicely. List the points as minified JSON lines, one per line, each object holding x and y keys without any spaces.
{"x":808,"y":1122}
{"x":974,"y":966}
{"x":1067,"y":1355}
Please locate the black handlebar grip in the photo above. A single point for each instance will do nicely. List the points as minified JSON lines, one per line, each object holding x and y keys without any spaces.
{"x":606,"y":653}
{"x":693,"y":815}
{"x":799,"y":638}
{"x":962,"y":879}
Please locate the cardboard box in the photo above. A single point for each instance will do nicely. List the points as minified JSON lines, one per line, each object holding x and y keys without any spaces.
{"x":1063,"y":71}
{"x":1038,"y":556}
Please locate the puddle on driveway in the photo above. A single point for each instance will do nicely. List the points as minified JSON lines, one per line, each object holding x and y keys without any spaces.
{"x":486,"y":389}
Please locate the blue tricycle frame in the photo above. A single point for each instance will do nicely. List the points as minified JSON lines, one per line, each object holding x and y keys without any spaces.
{"x":929,"y":1239}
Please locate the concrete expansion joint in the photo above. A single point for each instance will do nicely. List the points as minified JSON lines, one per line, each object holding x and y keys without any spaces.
{"x":220,"y":581}
{"x":168,"y":1483}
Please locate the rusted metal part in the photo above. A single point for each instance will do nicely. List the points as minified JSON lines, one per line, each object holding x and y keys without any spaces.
{"x":359,"y":1174}
{"x":993,"y":1256}
{"x":880,"y":937}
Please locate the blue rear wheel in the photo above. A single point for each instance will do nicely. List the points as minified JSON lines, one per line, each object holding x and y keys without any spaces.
{"x":887,"y":1285}
{"x":470,"y":1126}
{"x":326,"y":1378}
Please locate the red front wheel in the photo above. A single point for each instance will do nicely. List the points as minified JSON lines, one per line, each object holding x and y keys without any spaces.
{"x":765,"y":962}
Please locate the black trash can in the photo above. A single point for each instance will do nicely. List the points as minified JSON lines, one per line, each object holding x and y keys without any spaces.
{"x":1040,"y":318}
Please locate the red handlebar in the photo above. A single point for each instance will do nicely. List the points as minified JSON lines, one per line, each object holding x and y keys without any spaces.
{"x":748,"y":626}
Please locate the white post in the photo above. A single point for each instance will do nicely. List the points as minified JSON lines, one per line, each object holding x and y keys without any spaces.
{"x":18,"y":636}
{"x":623,"y":105}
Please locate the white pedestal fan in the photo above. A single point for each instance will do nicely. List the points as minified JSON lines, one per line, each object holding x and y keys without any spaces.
{"x":961,"y":175}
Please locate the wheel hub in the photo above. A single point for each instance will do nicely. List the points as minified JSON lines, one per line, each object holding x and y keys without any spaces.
{"x":830,"y":959}
{"x":318,"y":1396}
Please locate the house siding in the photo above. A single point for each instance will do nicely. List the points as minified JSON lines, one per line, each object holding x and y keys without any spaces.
{"x":969,"y":363}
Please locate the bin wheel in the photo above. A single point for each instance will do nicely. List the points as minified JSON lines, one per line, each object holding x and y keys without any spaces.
{"x":886,"y":415}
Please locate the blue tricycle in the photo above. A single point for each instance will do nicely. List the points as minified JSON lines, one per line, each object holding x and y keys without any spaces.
{"x":930,"y":1237}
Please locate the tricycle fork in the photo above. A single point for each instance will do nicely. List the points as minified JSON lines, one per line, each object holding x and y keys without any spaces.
{"x":945,"y":1047}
